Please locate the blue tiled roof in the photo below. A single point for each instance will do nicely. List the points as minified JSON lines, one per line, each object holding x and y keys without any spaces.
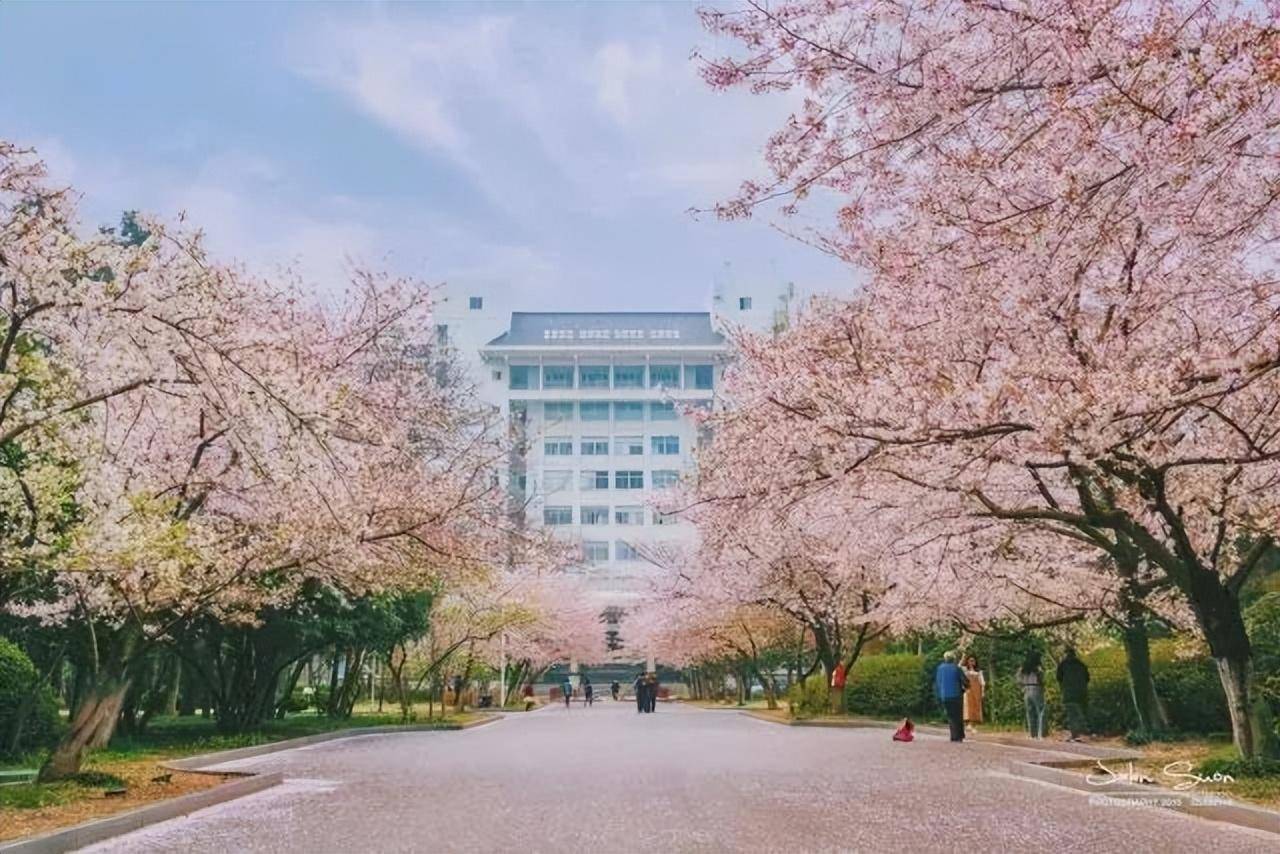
{"x":611,"y":329}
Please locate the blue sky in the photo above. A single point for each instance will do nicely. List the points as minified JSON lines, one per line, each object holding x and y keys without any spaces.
{"x":548,"y":150}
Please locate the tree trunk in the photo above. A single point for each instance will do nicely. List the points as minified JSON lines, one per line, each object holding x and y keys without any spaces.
{"x":1218,"y":611}
{"x":91,"y":728}
{"x":1142,"y":687}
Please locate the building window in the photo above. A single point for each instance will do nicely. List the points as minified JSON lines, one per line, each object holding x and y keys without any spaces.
{"x":557,"y":411}
{"x":660,"y":518}
{"x":629,"y":446}
{"x":665,"y":445}
{"x":556,"y":480}
{"x":442,"y":333}
{"x":595,"y":551}
{"x":595,"y":515}
{"x":595,"y":447}
{"x":744,"y":303}
{"x":594,"y":411}
{"x":628,"y":480}
{"x":629,"y":515}
{"x":595,"y":480}
{"x":630,"y":411}
{"x":523,"y":376}
{"x":662,"y":411}
{"x":497,"y":375}
{"x":698,"y":376}
{"x":593,"y":376}
{"x":558,"y":447}
{"x":626,"y":551}
{"x":664,"y":376}
{"x":557,"y":376}
{"x":557,"y":515}
{"x":518,"y":484}
{"x":664,"y":478}
{"x":628,"y":376}
{"x":519,"y":411}
{"x":475,"y":303}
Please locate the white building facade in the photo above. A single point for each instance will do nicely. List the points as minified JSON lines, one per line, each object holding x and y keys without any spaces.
{"x":599,"y":403}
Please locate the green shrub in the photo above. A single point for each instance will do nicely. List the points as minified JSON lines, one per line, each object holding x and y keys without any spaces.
{"x":1256,"y":767}
{"x":1190,"y":689}
{"x":810,"y":697}
{"x":1262,"y":620}
{"x":17,"y":678}
{"x":887,"y":685}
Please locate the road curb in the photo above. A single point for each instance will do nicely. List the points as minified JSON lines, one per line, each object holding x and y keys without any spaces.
{"x":1084,"y":751}
{"x":1239,"y":814}
{"x":200,"y":763}
{"x":80,"y":835}
{"x":248,"y":783}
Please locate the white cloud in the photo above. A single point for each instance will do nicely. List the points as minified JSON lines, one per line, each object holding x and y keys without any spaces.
{"x":618,"y":69}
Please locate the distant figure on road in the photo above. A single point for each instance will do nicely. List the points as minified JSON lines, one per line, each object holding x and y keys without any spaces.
{"x":615,"y":689}
{"x":638,"y":685}
{"x":588,"y":691}
{"x":949,"y":681}
{"x":567,"y":688}
{"x":973,"y":694}
{"x":1032,"y":683}
{"x":651,"y":692}
{"x":529,"y":702}
{"x":1073,"y":677}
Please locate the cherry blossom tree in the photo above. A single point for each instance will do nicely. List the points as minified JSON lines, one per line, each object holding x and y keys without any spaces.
{"x":224,"y":441}
{"x":1068,"y":215}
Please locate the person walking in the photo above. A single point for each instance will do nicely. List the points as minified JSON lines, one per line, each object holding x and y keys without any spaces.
{"x":651,"y":692}
{"x":949,"y":682}
{"x":638,"y":686}
{"x":588,"y":691}
{"x":1073,"y":678}
{"x":615,"y":689}
{"x":567,"y":687}
{"x":1032,"y":683}
{"x":973,"y":694}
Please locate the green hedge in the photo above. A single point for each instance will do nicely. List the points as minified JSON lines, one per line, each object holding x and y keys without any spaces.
{"x":887,"y":685}
{"x":1262,"y":619}
{"x":810,"y":697}
{"x":17,"y":677}
{"x":898,"y":685}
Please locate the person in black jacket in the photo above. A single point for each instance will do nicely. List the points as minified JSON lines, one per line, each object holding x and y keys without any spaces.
{"x":638,"y":685}
{"x":1073,"y":677}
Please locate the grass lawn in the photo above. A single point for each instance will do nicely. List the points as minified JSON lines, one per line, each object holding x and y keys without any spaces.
{"x":132,"y":763}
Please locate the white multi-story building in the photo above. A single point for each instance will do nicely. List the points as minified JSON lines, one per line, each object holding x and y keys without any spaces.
{"x":598,"y":401}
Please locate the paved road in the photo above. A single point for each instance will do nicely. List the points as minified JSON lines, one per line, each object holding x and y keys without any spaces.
{"x":608,"y":779}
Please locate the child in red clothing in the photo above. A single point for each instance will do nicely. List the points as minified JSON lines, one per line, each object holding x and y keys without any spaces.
{"x":906,"y":732}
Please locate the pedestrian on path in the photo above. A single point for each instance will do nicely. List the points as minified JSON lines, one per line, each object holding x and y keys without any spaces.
{"x":651,"y":692}
{"x":567,"y":688}
{"x":638,"y":686}
{"x":906,"y":732}
{"x":615,"y":689}
{"x":973,"y":694}
{"x":588,"y":691}
{"x":1032,"y":682}
{"x":1073,"y":677}
{"x":949,"y":681}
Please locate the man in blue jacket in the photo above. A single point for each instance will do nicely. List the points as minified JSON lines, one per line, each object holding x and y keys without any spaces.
{"x":950,"y":683}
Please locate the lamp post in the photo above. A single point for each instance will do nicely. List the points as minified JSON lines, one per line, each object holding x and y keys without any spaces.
{"x":502,"y":685}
